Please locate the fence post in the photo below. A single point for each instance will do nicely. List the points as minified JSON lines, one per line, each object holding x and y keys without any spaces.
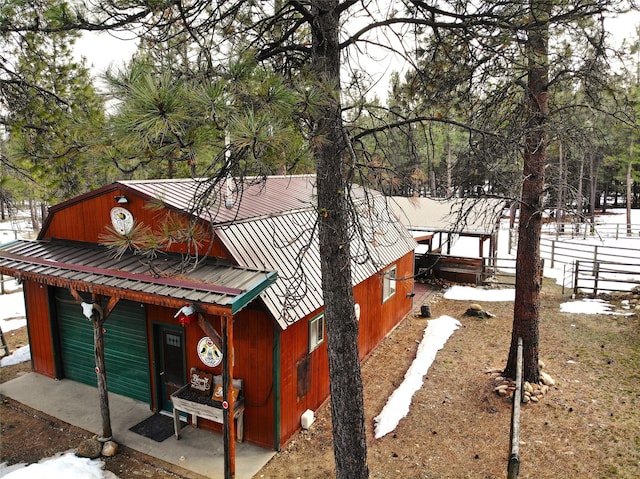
{"x":576,"y":273}
{"x":513,"y":467}
{"x":553,"y":252}
{"x":510,"y":240}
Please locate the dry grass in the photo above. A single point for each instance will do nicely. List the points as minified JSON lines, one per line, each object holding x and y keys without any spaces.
{"x":588,"y":426}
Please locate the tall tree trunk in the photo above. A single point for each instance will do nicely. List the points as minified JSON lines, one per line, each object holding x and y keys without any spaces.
{"x":593,"y":185}
{"x":449,"y":191}
{"x":347,"y":403}
{"x":526,"y":311}
{"x":629,"y":182}
{"x":580,"y":196}
{"x":562,"y":186}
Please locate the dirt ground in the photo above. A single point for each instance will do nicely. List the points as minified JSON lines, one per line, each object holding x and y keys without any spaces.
{"x":587,"y":426}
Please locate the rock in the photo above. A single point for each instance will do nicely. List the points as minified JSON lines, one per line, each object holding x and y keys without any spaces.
{"x":528,"y":388}
{"x":546,"y":379}
{"x":541,"y":364}
{"x":90,"y":448}
{"x":502,"y":390}
{"x":477,"y":311}
{"x":110,"y":449}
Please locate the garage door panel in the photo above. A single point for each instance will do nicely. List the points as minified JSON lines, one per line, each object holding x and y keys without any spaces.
{"x":125,"y":346}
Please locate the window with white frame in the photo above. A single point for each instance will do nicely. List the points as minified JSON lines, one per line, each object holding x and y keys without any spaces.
{"x":389,"y":283}
{"x":316,"y":332}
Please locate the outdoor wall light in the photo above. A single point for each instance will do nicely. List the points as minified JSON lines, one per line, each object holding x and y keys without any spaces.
{"x":121,"y":199}
{"x":186,"y":314}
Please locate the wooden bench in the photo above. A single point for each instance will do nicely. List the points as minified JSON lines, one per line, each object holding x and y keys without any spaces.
{"x":202,"y":406}
{"x":458,"y":269}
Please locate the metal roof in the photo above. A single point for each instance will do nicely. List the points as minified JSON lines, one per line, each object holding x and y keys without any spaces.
{"x":92,"y":268}
{"x":465,"y":216}
{"x":250,"y":198}
{"x":270,"y":226}
{"x":288,"y":243}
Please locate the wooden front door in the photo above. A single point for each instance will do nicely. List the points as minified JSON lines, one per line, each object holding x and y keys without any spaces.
{"x":170,"y":364}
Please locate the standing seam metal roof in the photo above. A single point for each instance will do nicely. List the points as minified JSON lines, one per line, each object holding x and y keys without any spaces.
{"x":271,"y":226}
{"x":213,"y":282}
{"x":289,"y":244}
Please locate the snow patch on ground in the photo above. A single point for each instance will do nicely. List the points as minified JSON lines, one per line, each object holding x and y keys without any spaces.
{"x":469,"y":293}
{"x":589,"y":306}
{"x":435,"y":336}
{"x":65,"y":466}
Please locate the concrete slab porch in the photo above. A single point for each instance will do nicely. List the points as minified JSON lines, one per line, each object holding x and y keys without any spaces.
{"x":198,"y":450}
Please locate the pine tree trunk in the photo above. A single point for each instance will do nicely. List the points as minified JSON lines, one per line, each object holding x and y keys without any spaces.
{"x":629,"y":182}
{"x":347,"y":403}
{"x":526,"y":313}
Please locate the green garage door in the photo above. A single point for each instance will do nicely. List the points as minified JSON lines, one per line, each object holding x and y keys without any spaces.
{"x":125,"y":346}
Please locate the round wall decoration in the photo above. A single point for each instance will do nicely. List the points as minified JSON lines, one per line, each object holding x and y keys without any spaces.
{"x":208,"y":352}
{"x":122,"y":220}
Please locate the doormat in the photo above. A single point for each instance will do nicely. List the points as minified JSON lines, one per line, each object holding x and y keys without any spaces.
{"x":157,"y":427}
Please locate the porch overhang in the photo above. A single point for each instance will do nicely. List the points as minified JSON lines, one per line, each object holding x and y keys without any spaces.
{"x":217,"y":287}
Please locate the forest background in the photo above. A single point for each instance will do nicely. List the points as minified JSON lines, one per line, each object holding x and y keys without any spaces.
{"x":529,"y":102}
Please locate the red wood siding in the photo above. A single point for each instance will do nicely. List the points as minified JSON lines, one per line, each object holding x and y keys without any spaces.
{"x":377,"y":319}
{"x":39,"y":328}
{"x":253,"y":335}
{"x":294,"y":347}
{"x":87,"y":220}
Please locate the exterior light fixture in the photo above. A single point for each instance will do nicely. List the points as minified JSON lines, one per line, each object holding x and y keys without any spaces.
{"x":186,"y":314}
{"x":121,"y":199}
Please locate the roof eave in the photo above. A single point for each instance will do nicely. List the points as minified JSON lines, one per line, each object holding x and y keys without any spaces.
{"x":242,"y":300}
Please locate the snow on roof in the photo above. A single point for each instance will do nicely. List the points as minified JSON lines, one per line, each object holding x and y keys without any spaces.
{"x":467,"y":216}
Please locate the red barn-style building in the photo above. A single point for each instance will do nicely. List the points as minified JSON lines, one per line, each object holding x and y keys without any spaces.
{"x":258,"y":265}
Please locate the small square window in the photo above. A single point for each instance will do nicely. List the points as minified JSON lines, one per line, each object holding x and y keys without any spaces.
{"x":389,"y":283}
{"x":316,"y":332}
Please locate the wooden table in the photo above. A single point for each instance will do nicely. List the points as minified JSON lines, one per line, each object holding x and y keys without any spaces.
{"x":213,"y":412}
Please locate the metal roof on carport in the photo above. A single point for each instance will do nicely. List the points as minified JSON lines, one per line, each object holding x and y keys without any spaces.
{"x":216,"y":286}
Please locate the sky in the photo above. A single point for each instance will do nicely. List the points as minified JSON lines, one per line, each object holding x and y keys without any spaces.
{"x":114,"y":49}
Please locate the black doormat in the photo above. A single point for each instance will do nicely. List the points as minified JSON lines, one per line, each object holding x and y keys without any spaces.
{"x":157,"y":427}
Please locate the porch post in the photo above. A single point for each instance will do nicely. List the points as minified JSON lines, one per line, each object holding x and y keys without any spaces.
{"x":103,"y":392}
{"x":228,"y":427}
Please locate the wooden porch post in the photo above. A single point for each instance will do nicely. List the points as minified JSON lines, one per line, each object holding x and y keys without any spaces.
{"x":228,"y":428}
{"x":98,"y":316}
{"x":101,"y":373}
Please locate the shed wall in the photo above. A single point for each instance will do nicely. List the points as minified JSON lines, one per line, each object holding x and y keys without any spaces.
{"x":377,"y":319}
{"x":87,"y":220}
{"x":253,"y":334}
